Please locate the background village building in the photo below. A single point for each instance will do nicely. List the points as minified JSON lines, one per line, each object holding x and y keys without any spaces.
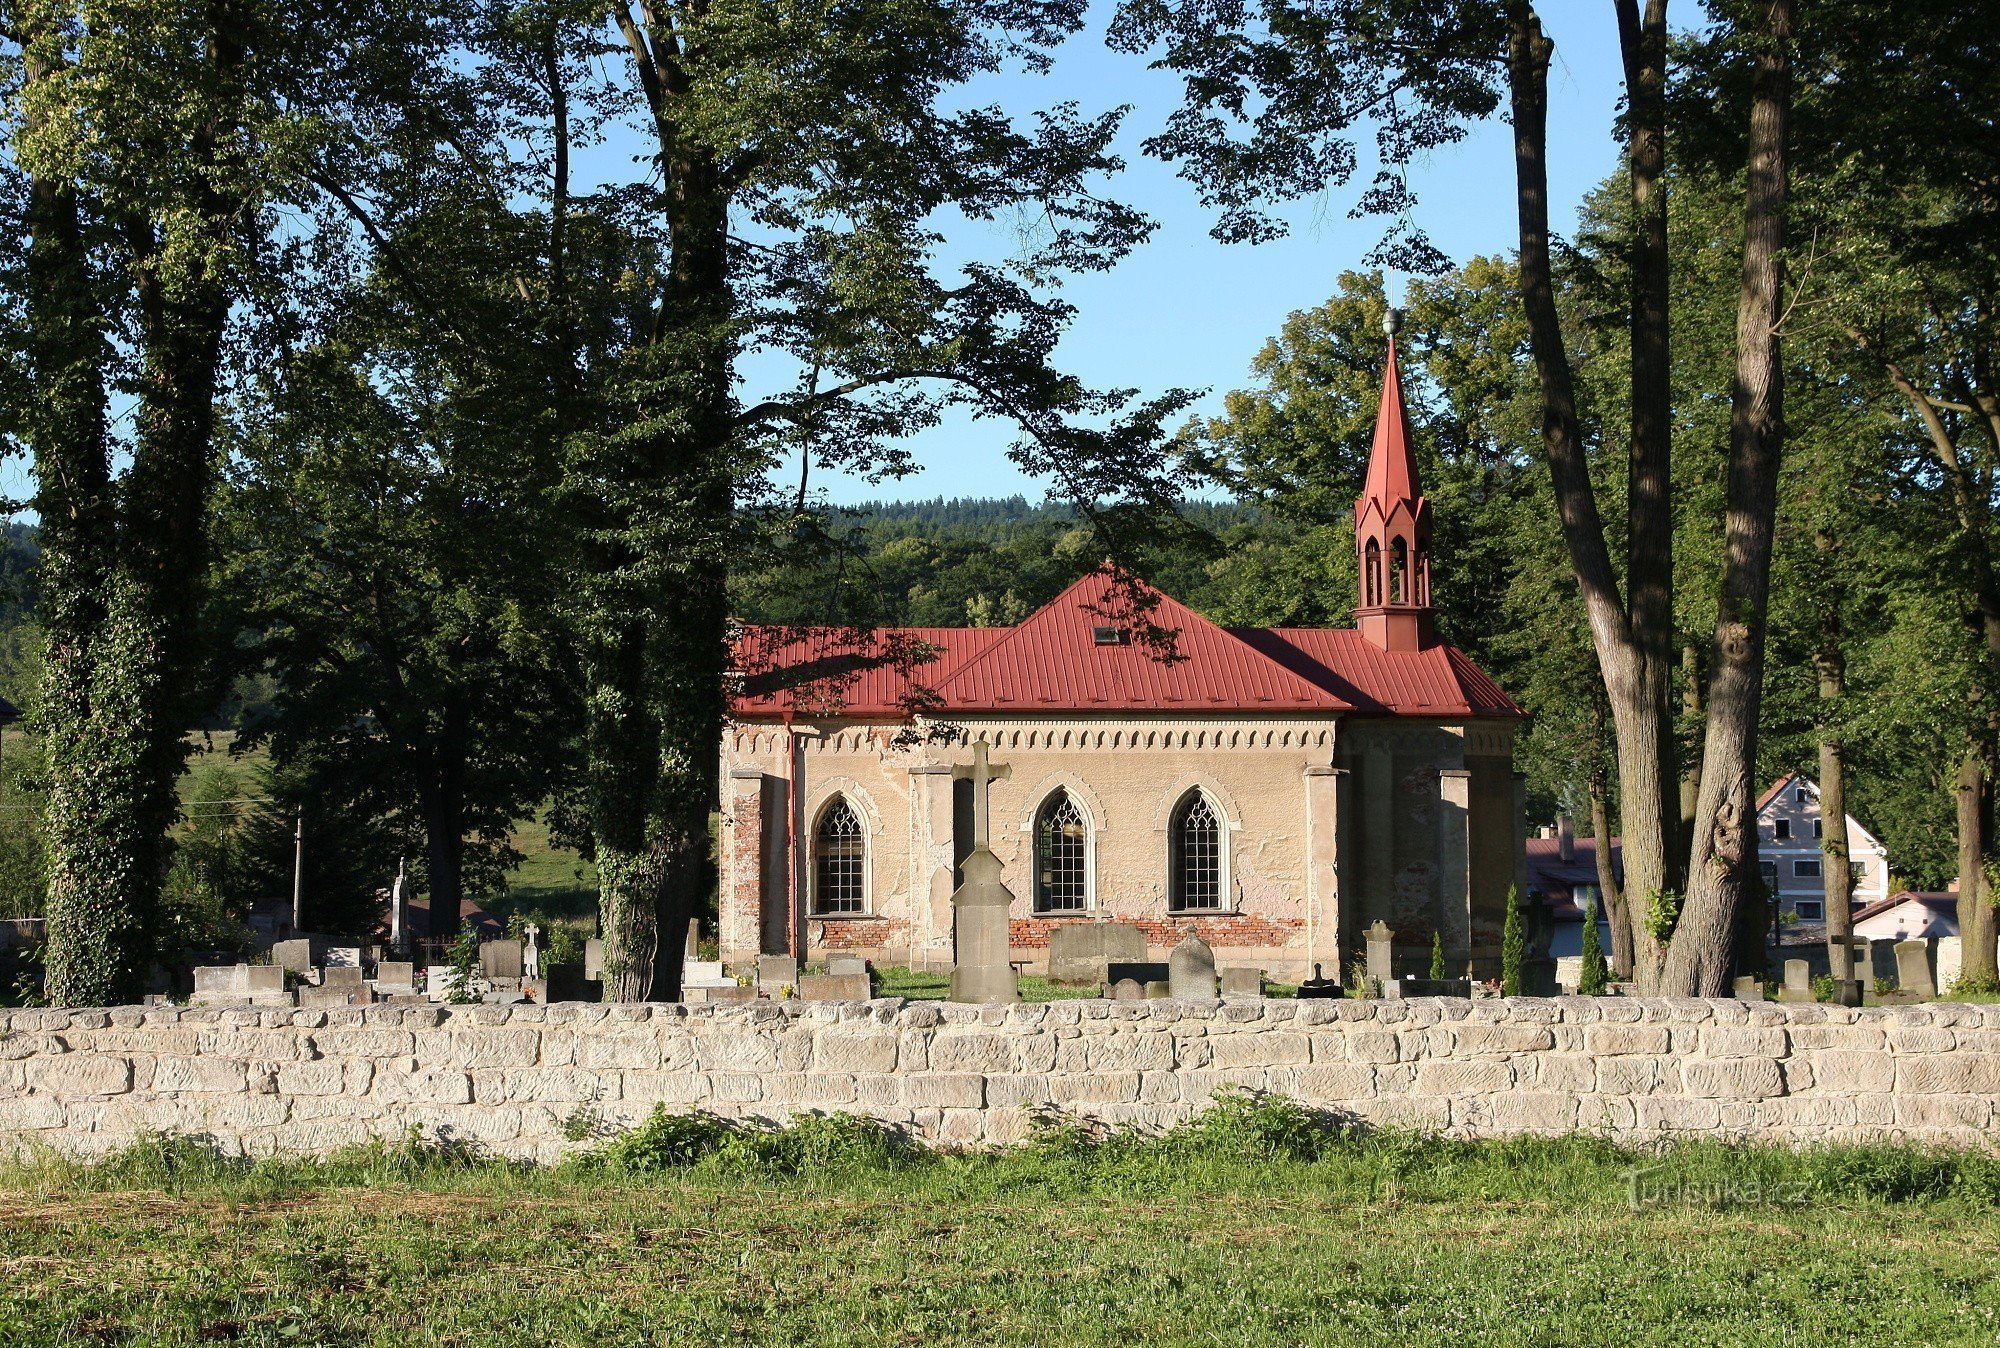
{"x":1909,"y":916}
{"x":1273,"y":791}
{"x":1789,"y":829}
{"x":1563,"y":868}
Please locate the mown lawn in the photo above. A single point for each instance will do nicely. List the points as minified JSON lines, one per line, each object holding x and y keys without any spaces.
{"x":1242,"y":1233}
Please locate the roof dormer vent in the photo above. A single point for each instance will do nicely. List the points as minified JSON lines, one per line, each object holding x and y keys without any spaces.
{"x":1107,"y":636}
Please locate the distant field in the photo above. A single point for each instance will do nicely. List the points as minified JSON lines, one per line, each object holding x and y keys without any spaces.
{"x":1249,"y":1234}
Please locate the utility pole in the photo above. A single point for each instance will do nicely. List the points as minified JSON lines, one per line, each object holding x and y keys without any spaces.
{"x":298,"y":870}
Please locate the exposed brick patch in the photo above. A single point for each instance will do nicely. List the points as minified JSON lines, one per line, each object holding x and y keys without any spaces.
{"x":1221,"y":930}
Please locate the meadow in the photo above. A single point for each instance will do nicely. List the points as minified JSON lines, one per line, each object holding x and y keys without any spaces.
{"x":1257,"y":1224}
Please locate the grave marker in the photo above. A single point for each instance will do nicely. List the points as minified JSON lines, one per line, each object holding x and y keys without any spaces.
{"x":980,"y":908}
{"x":1913,"y":969}
{"x":1191,"y":969}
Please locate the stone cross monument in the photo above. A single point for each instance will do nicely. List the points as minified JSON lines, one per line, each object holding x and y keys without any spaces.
{"x":980,"y":906}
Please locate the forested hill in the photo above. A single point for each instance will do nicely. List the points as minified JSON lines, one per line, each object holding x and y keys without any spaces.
{"x":959,"y":561}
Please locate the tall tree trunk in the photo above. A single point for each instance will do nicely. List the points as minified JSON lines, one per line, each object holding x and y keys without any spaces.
{"x":1636,"y":666}
{"x":1691,"y":715}
{"x":1976,"y":934}
{"x":444,"y":822}
{"x":97,"y":939}
{"x":1698,"y":955}
{"x":1837,"y":866}
{"x":1607,"y":885}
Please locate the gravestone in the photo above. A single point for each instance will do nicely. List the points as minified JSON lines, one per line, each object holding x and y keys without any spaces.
{"x":847,"y":964}
{"x":1881,"y":961}
{"x":834,"y":988}
{"x":775,"y":971}
{"x":1191,"y":969}
{"x":705,"y":974}
{"x":399,"y":909}
{"x":300,"y":954}
{"x":531,"y":953}
{"x":1080,"y":952}
{"x":733,"y":993}
{"x":336,"y":994}
{"x":500,"y":959}
{"x":1381,"y":954}
{"x":1408,"y":986}
{"x":219,"y":983}
{"x":593,"y":959}
{"x":1798,"y":982}
{"x":981,"y":926}
{"x":566,"y":983}
{"x":1846,"y":957}
{"x":1242,"y":980}
{"x":1139,"y":971}
{"x":1913,"y":969}
{"x":1128,"y":990}
{"x":1749,"y":988}
{"x":395,"y":977}
{"x":1319,"y":986}
{"x":343,"y":957}
{"x":440,"y":981}
{"x":339,"y":976}
{"x":1158,"y":989}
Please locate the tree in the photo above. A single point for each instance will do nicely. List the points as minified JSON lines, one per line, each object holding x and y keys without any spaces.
{"x":1302,"y":74}
{"x":1593,"y":978}
{"x":798,"y":156}
{"x":1513,"y":946}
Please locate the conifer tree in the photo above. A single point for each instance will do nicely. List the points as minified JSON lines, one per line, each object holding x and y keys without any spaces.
{"x":1594,"y":976}
{"x":1437,"y":957}
{"x":1513,"y":946}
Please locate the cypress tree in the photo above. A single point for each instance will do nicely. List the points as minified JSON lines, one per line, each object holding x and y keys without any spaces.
{"x":1513,"y":946}
{"x":1594,"y":976}
{"x":1437,"y":956}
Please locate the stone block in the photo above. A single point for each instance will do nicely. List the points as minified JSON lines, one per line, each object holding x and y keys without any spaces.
{"x":837,"y":1051}
{"x":972,"y":1053}
{"x":958,"y":1090}
{"x":221,"y":980}
{"x":1732,"y":1078}
{"x":197,"y":1074}
{"x":1463,"y":1078}
{"x":75,"y":1074}
{"x":1737,"y":1041}
{"x":1081,"y":952}
{"x":849,"y":987}
{"x":1491,"y":1040}
{"x":774,"y":971}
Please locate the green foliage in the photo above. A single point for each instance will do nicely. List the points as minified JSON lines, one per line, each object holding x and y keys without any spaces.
{"x":463,"y":961}
{"x":1663,"y":913}
{"x":1595,"y":974}
{"x":1437,"y":956}
{"x":1513,"y":946}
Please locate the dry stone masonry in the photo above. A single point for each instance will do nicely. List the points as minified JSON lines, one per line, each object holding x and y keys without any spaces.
{"x":270,"y":1080}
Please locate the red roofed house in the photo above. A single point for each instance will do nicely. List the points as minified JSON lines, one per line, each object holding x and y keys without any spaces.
{"x":1274,"y":790}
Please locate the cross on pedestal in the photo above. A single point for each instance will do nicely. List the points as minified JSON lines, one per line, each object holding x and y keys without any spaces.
{"x":981,"y":774}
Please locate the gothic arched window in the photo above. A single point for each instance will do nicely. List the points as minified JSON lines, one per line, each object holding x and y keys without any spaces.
{"x":840,"y":861}
{"x":1194,"y":845}
{"x":1371,"y":580}
{"x":1062,"y":856}
{"x":1399,"y":572}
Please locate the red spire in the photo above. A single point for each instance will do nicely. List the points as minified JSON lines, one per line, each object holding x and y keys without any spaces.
{"x":1392,"y":527}
{"x":1392,"y":471}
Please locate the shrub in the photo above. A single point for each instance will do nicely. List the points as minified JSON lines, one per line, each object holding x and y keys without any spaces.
{"x":665,"y":1142}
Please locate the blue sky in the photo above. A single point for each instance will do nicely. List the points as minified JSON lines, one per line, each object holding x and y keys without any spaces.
{"x":1186,"y":311}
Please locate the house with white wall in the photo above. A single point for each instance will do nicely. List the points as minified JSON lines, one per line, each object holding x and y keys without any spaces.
{"x":1789,"y":833}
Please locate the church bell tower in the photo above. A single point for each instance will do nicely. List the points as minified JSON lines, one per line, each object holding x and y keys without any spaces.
{"x":1392,"y":527}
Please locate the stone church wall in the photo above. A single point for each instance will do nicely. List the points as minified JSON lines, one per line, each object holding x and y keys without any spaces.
{"x":510,"y":1078}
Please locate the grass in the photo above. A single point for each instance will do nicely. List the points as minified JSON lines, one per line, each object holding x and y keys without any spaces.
{"x":1256,"y":1225}
{"x":924,"y":986}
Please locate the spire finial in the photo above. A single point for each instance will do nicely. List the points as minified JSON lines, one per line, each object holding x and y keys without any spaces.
{"x":1392,"y":323}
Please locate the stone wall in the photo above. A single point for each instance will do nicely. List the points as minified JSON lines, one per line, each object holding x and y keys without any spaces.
{"x":509,"y":1078}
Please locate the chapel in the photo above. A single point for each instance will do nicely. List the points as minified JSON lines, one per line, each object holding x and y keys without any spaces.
{"x":1272,"y":790}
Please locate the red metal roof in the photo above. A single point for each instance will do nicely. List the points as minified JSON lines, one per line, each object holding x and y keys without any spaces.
{"x":1438,"y":681}
{"x":1056,"y":661}
{"x":1392,"y":469}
